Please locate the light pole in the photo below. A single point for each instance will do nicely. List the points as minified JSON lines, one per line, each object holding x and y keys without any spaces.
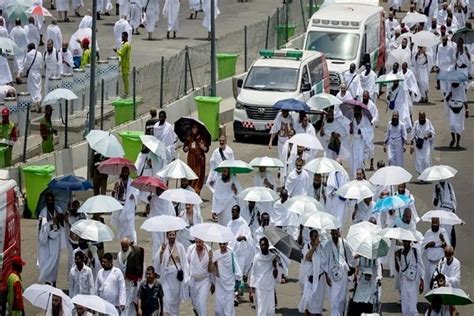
{"x":92,"y":80}
{"x":213,"y":49}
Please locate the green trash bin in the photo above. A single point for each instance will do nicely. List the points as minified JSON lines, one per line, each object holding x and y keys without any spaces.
{"x":36,"y":180}
{"x":281,"y":32}
{"x":124,"y":109}
{"x":208,"y":113}
{"x":131,"y":144}
{"x":5,"y":156}
{"x":226,"y":65}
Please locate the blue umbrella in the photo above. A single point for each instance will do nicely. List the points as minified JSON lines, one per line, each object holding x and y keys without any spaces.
{"x":292,"y":105}
{"x":452,"y":76}
{"x":70,"y":183}
{"x":61,"y":199}
{"x":391,"y":203}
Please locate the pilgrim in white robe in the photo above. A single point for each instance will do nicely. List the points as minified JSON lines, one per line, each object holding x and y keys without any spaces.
{"x":445,"y":60}
{"x":194,"y":5}
{"x":121,"y":26}
{"x":184,"y":236}
{"x":18,"y":36}
{"x":152,"y":12}
{"x":147,"y":164}
{"x":298,"y":183}
{"x":339,"y":125}
{"x":362,"y":211}
{"x":81,"y":281}
{"x":432,"y":255}
{"x":199,"y":278}
{"x":174,"y":291}
{"x":86,"y":22}
{"x":110,"y":285}
{"x":451,"y":271}
{"x":375,"y":116}
{"x":335,"y":204}
{"x":260,"y":180}
{"x":444,"y":198}
{"x":33,"y":65}
{"x":62,"y":5}
{"x":124,"y":220}
{"x":224,"y":198}
{"x":124,"y":8}
{"x":53,"y":32}
{"x":313,"y":281}
{"x":131,"y":287}
{"x":262,"y":279}
{"x":50,"y":241}
{"x":32,"y":34}
{"x":423,"y":154}
{"x":250,"y":215}
{"x":243,"y":250}
{"x":362,"y":138}
{"x":395,"y":137}
{"x":456,"y":103}
{"x":135,"y":14}
{"x":5,"y":73}
{"x":171,"y":11}
{"x":398,"y":96}
{"x":354,"y":87}
{"x":159,"y":207}
{"x":281,"y":126}
{"x":3,"y":30}
{"x":228,"y":271}
{"x":410,"y":85}
{"x":52,"y":62}
{"x":395,"y":4}
{"x":421,"y":67}
{"x":391,"y":27}
{"x":336,"y":262}
{"x":290,"y":160}
{"x":463,"y":59}
{"x":77,"y":4}
{"x":411,"y":272}
{"x":206,"y":7}
{"x":367,"y":82}
{"x":165,"y":133}
{"x":67,"y":62}
{"x":458,"y":7}
{"x":218,"y":156}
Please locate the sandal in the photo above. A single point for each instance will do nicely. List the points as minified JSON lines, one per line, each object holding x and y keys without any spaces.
{"x":451,"y":144}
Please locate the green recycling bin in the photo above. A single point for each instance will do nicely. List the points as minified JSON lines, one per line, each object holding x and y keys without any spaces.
{"x":124,"y":109}
{"x":5,"y":156}
{"x":36,"y":180}
{"x":226,"y":65}
{"x":281,"y":32}
{"x":208,"y":113}
{"x":131,"y":144}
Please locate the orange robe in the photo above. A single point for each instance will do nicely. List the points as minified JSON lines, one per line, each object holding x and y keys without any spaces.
{"x":197,"y":160}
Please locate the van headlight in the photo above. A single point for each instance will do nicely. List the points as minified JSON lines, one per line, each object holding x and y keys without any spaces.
{"x":239,"y":105}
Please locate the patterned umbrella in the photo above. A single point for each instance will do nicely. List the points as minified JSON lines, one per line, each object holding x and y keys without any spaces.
{"x":113,"y":166}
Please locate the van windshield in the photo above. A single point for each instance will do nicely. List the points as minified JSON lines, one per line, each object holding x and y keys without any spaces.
{"x":272,"y":79}
{"x":336,"y":46}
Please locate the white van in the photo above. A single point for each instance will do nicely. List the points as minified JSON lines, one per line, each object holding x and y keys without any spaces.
{"x":348,"y":31}
{"x":276,"y":75}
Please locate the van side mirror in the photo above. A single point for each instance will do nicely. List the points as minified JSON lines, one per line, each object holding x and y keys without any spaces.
{"x":305,"y":87}
{"x":365,"y":59}
{"x":240,"y":83}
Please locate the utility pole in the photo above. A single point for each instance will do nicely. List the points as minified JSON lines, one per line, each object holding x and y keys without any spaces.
{"x":213,"y":48}
{"x":92,"y":81}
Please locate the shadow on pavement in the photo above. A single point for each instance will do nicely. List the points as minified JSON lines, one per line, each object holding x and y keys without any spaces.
{"x":447,"y":148}
{"x":287,"y":311}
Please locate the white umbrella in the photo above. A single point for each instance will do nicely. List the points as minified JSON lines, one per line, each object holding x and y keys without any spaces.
{"x":306,"y":140}
{"x":177,"y":170}
{"x":258,"y":194}
{"x":59,"y":94}
{"x":400,"y":234}
{"x":436,"y":173}
{"x":90,"y":229}
{"x":39,"y":11}
{"x":163,"y":223}
{"x":322,"y":101}
{"x":362,"y":238}
{"x":388,"y":78}
{"x":324,"y":165}
{"x":181,"y":196}
{"x":100,"y":204}
{"x":105,"y":143}
{"x":445,"y":217}
{"x":414,"y":18}
{"x":320,"y":220}
{"x":356,"y":190}
{"x":212,"y":232}
{"x":425,"y":39}
{"x":397,"y":55}
{"x":301,"y":204}
{"x":95,"y":303}
{"x":155,"y":145}
{"x":40,"y":295}
{"x":9,"y":47}
{"x":268,"y":162}
{"x":390,"y":175}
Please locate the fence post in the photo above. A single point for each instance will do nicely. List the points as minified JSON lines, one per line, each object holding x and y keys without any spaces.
{"x":134,"y":93}
{"x":278,"y":26}
{"x":190,"y":72}
{"x":267,"y":34}
{"x":66,"y":124}
{"x":102,"y":104}
{"x":287,"y":7}
{"x":311,"y":5}
{"x":302,"y":15}
{"x":245,"y":47}
{"x":185,"y":69}
{"x":161,"y":80}
{"x":27,"y":123}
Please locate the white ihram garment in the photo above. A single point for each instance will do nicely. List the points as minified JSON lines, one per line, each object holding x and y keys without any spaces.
{"x":228,"y":271}
{"x":395,"y":137}
{"x":171,"y":11}
{"x":199,"y":278}
{"x":262,"y":279}
{"x":34,"y":63}
{"x":423,"y":155}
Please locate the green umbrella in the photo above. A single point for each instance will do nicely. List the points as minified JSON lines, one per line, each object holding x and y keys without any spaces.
{"x":235,"y":166}
{"x":16,"y":9}
{"x":389,"y":78}
{"x":7,"y":46}
{"x":449,"y":296}
{"x":466,"y":34}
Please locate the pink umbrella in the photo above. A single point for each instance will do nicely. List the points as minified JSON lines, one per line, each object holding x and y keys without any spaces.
{"x":39,"y":11}
{"x":113,"y":166}
{"x":347,"y":108}
{"x":149,"y":184}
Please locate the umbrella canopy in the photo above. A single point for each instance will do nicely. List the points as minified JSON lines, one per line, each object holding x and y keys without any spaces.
{"x":452,"y":76}
{"x":90,"y":229}
{"x":16,"y":9}
{"x":258,"y":194}
{"x":62,"y":197}
{"x":356,"y":190}
{"x":9,"y":47}
{"x":449,"y":296}
{"x":400,"y":234}
{"x":320,"y":220}
{"x":40,"y":295}
{"x":154,"y":145}
{"x":163,"y":223}
{"x":292,"y":105}
{"x":389,"y":78}
{"x":306,"y":140}
{"x":436,"y":173}
{"x":324,"y":165}
{"x":415,"y":18}
{"x":303,"y":205}
{"x":425,"y":39}
{"x":235,"y":166}
{"x":79,"y":35}
{"x":114,"y":166}
{"x":283,"y":242}
{"x":70,"y":183}
{"x":390,"y":175}
{"x":177,"y":170}
{"x":148,"y":184}
{"x":38,"y":11}
{"x":393,"y":202}
{"x":397,"y":55}
{"x":95,"y":303}
{"x":183,"y":127}
{"x":105,"y":143}
{"x":268,"y":162}
{"x":445,"y":217}
{"x":322,"y":101}
{"x":466,"y":34}
{"x":348,"y":107}
{"x":212,"y":232}
{"x":362,"y":238}
{"x":181,"y":196}
{"x":100,"y":204}
{"x":59,"y":94}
